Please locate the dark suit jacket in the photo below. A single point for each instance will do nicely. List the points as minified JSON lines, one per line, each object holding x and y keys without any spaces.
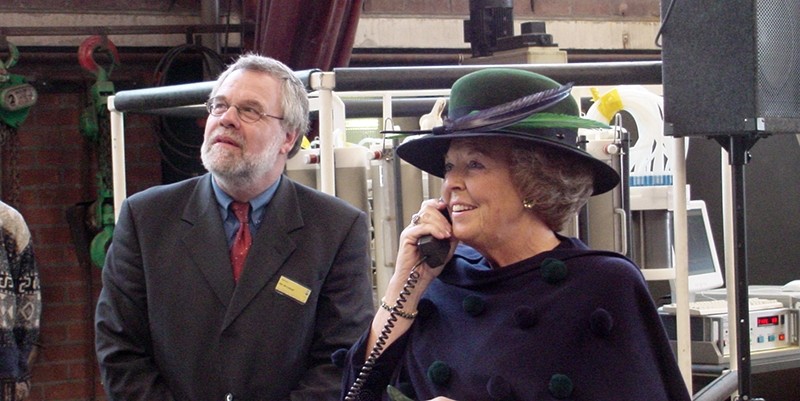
{"x":171,"y":324}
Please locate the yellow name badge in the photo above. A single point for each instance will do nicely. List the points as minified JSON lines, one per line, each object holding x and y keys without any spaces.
{"x":293,"y":289}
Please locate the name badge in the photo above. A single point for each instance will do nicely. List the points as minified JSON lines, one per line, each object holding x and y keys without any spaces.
{"x":293,"y":289}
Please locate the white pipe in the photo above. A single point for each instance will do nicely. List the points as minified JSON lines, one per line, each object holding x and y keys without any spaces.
{"x":729,"y":249}
{"x":117,"y":121}
{"x":323,"y":83}
{"x":684,"y":343}
{"x":387,"y":111}
{"x":339,"y":127}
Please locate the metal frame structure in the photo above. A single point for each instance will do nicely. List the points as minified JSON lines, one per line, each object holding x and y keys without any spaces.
{"x":179,"y":99}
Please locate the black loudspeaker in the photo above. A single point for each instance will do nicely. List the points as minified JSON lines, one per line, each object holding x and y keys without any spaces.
{"x":731,"y":67}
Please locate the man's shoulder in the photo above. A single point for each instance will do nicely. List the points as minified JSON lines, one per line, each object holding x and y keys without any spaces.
{"x":10,"y":215}
{"x":12,"y":223}
{"x":178,"y":190}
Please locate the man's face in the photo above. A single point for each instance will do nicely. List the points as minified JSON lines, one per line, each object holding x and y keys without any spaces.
{"x":244,"y":153}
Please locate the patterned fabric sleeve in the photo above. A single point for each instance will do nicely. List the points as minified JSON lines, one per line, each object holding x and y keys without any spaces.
{"x":20,"y":296}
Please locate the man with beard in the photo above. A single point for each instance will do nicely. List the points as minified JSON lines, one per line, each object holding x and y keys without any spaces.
{"x":198,"y":306}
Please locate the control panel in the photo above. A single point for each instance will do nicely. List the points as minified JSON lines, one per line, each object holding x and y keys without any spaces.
{"x":771,"y":330}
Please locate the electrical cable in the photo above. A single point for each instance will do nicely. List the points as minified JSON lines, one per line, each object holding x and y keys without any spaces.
{"x":378,"y":348}
{"x":168,"y":160}
{"x":180,"y":155}
{"x":663,"y":22}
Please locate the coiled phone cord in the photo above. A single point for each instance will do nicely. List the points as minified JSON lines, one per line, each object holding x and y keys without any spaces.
{"x":377,"y":349}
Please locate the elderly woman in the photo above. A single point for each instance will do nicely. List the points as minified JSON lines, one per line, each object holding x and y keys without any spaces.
{"x":518,"y":312}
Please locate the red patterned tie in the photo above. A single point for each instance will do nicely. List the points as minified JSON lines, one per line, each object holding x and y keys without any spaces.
{"x":242,"y":241}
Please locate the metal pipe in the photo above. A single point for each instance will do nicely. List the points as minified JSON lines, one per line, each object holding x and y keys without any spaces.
{"x":720,"y":389}
{"x":172,"y":99}
{"x":401,"y":107}
{"x":117,"y":121}
{"x":324,"y":83}
{"x":122,"y":30}
{"x":738,"y":151}
{"x":435,"y":77}
{"x":404,"y":78}
{"x":681,"y":298}
{"x":384,"y":58}
{"x":726,"y":179}
{"x":356,"y":108}
{"x":163,"y":97}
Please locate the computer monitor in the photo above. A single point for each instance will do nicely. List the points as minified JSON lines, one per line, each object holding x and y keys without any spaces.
{"x":705,"y":272}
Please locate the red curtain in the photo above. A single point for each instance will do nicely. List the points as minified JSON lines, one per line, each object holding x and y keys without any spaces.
{"x":304,"y":34}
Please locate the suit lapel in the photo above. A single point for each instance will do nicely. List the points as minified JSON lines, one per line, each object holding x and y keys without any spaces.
{"x":271,"y":248}
{"x":205,"y":240}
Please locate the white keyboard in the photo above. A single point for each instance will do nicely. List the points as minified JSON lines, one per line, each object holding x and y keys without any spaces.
{"x":717,"y":306}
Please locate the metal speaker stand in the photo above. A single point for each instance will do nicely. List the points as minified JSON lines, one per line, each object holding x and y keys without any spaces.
{"x":738,"y":147}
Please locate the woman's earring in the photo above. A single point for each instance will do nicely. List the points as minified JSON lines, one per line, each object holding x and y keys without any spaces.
{"x":528,"y":203}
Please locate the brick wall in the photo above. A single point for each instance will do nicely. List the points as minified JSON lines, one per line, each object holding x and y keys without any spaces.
{"x":56,"y":167}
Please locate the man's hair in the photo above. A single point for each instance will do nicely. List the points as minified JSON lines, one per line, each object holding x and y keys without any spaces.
{"x":294,"y":98}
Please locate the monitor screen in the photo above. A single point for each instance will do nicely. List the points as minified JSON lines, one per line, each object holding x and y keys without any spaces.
{"x":701,"y":256}
{"x":705,"y":272}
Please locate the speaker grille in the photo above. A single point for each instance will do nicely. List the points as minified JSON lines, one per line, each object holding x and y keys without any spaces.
{"x":778,"y":57}
{"x":731,"y":67}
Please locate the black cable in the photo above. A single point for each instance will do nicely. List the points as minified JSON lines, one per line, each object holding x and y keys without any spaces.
{"x":174,"y":150}
{"x":377,"y":349}
{"x":663,"y":22}
{"x":166,"y":159}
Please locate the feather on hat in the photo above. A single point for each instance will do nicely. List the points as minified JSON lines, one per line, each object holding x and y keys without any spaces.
{"x":504,"y":102}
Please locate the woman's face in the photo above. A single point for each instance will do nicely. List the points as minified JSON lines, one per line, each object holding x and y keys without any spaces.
{"x":485,"y":206}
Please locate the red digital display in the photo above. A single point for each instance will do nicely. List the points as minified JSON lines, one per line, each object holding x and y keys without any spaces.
{"x":768,"y":321}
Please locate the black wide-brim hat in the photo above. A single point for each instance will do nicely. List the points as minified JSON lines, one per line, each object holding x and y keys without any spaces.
{"x":509,"y":103}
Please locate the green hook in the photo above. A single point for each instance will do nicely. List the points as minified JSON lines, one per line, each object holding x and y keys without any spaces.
{"x":13,"y":56}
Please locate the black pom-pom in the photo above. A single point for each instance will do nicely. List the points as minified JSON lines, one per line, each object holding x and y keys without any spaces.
{"x":560,"y":386}
{"x":499,"y":389}
{"x":601,"y":323}
{"x":439,"y":373}
{"x":473,"y":305}
{"x":525,"y":317}
{"x":338,"y":357}
{"x":425,"y":308}
{"x":554,"y":271}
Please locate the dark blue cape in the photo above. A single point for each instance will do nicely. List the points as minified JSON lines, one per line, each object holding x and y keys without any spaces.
{"x":567,"y":324}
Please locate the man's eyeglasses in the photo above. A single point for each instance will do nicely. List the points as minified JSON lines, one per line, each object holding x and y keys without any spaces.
{"x":247,"y":114}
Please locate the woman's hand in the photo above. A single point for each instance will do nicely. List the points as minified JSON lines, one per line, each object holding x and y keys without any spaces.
{"x":430,"y":220}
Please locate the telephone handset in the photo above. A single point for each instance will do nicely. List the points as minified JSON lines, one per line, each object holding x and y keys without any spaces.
{"x":434,"y":250}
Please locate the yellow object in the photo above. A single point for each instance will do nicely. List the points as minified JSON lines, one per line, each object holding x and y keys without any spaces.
{"x":292,"y":289}
{"x":305,"y":144}
{"x":610,"y":104}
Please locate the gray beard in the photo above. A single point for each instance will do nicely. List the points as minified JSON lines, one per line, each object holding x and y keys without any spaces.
{"x":240,"y":173}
